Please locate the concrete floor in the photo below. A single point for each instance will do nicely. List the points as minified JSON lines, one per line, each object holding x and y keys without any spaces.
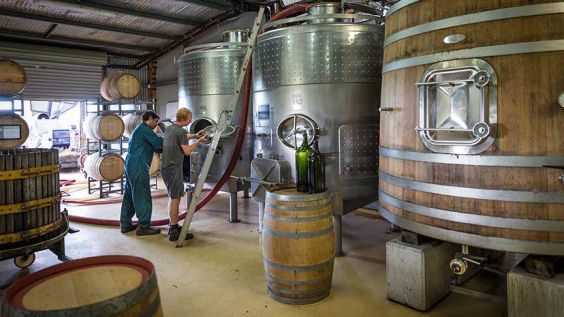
{"x":220,"y":272}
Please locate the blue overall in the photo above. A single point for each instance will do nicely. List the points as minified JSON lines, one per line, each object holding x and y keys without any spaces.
{"x":137,"y":199}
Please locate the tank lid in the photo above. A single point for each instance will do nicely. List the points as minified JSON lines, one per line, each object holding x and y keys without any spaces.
{"x":235,"y":36}
{"x":324,"y":8}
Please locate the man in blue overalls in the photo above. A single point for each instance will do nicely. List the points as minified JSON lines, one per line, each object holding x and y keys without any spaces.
{"x":137,"y":198}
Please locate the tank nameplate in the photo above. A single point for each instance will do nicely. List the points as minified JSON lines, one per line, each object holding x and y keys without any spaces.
{"x":358,"y":151}
{"x":318,"y":57}
{"x":215,"y":75}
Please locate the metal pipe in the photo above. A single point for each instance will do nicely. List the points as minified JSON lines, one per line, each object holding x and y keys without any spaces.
{"x":233,"y":208}
{"x":338,"y":222}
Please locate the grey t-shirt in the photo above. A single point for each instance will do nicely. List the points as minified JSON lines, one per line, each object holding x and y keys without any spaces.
{"x":173,"y":156}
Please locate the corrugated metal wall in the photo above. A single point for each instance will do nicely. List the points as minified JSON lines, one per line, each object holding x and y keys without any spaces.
{"x":141,"y":73}
{"x":57,"y":81}
{"x":55,"y":73}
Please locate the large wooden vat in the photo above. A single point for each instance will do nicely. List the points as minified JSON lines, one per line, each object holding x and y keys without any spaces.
{"x":108,"y":167}
{"x":131,"y":121}
{"x":113,"y":285}
{"x":119,"y":86}
{"x":106,"y":127}
{"x":29,"y":197}
{"x":495,"y":185}
{"x":12,"y":78}
{"x":298,"y":246}
{"x":14,"y":131}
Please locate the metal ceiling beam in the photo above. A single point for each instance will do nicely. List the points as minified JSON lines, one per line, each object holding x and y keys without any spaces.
{"x":189,"y":36}
{"x":39,"y":17}
{"x":12,"y":34}
{"x":126,"y":11}
{"x":221,"y":5}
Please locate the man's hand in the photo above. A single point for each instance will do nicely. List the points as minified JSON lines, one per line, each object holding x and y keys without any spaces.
{"x":204,"y":138}
{"x":200,"y":134}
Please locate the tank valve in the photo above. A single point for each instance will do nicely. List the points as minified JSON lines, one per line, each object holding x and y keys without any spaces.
{"x":458,"y":266}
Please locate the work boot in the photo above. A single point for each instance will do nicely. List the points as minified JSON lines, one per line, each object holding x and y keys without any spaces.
{"x":174,"y":233}
{"x":148,"y":231}
{"x":126,"y":229}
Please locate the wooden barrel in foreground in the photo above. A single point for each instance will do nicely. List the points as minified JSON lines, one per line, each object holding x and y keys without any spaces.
{"x":472,"y":136}
{"x":12,"y":78}
{"x":117,"y":86}
{"x":29,"y":197}
{"x":298,"y":246}
{"x":106,"y":127}
{"x":114,"y":285}
{"x":108,"y":167}
{"x":14,"y":131}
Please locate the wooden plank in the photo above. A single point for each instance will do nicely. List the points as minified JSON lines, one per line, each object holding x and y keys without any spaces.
{"x":369,"y":213}
{"x":10,"y":219}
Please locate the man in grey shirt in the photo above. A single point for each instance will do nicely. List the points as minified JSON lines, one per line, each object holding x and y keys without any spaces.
{"x":176,"y":146}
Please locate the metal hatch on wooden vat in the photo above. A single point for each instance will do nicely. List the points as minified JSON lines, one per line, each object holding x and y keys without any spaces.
{"x":458,"y":106}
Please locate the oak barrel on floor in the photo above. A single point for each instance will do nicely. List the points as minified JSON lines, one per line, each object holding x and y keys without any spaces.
{"x":505,"y":193}
{"x":12,"y":78}
{"x":113,"y":285}
{"x":29,"y":197}
{"x":298,"y":245}
{"x":14,"y":131}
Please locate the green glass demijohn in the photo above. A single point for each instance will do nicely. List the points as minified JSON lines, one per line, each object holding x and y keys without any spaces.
{"x":302,"y":156}
{"x":316,"y":170}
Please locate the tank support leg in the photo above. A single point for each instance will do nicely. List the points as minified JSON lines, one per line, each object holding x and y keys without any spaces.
{"x":338,"y":221}
{"x":261,"y":216}
{"x":246,"y":193}
{"x":233,"y":208}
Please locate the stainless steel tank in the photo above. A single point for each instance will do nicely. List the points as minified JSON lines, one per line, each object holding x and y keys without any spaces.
{"x":322,"y":72}
{"x":206,"y":78}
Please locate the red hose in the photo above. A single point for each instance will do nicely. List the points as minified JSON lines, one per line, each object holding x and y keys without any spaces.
{"x":298,"y":8}
{"x":218,"y":185}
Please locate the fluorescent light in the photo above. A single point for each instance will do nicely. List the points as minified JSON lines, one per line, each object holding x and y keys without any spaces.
{"x":77,"y":7}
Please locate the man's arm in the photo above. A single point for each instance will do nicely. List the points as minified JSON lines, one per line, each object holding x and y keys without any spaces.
{"x":188,"y":148}
{"x":155,"y":141}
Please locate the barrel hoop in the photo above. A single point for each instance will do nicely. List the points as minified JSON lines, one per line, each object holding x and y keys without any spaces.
{"x":484,"y":51}
{"x":302,"y":268}
{"x":297,"y":219}
{"x":298,"y":198}
{"x":150,"y":310}
{"x":474,"y":219}
{"x":298,"y":235}
{"x":298,"y":300}
{"x":478,"y":160}
{"x":274,"y":279}
{"x":475,"y":193}
{"x":312,"y":292}
{"x":496,"y":243}
{"x":29,"y":172}
{"x":484,"y":16}
{"x":400,"y":5}
{"x":112,"y":307}
{"x":31,"y":233}
{"x":292,"y":208}
{"x":28,"y":205}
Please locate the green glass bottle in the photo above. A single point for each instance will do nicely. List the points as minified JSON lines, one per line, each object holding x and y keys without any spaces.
{"x":316,"y":170}
{"x":302,"y":156}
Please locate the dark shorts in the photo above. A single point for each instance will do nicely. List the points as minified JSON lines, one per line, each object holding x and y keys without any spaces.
{"x":173,"y":181}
